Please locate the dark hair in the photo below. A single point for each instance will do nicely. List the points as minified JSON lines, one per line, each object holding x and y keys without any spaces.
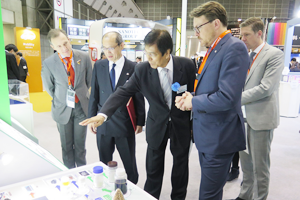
{"x":10,"y":47}
{"x":161,"y":38}
{"x":293,"y":59}
{"x":19,"y":53}
{"x":53,"y":33}
{"x":211,"y":10}
{"x":256,"y":24}
{"x":140,"y":58}
{"x":102,"y":54}
{"x":119,"y":39}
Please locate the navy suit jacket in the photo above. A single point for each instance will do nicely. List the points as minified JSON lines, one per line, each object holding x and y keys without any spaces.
{"x":119,"y":124}
{"x":12,"y":67}
{"x":146,"y":80}
{"x":218,"y":124}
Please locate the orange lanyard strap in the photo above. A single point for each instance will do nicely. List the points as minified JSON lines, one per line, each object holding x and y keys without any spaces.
{"x":255,"y":58}
{"x":69,"y":65}
{"x":207,"y":55}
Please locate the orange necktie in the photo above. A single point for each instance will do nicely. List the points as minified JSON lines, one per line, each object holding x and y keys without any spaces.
{"x":72,"y":76}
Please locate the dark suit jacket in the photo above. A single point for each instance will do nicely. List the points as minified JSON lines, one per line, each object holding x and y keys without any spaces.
{"x":218,"y":124}
{"x":12,"y":67}
{"x":119,"y":123}
{"x":22,"y":65}
{"x":146,"y":80}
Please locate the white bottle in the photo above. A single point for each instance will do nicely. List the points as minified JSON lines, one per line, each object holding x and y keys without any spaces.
{"x":111,"y":171}
{"x":98,"y":176}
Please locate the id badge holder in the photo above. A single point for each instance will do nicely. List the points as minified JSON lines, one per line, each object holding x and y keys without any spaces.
{"x":71,"y":98}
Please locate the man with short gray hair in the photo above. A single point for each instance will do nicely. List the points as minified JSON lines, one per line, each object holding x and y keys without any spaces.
{"x":261,"y":101}
{"x":67,"y":77}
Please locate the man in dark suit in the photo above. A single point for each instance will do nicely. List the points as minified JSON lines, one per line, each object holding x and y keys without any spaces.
{"x":107,"y":76}
{"x":22,"y":67}
{"x":218,"y":124}
{"x":11,"y":62}
{"x":154,"y":79}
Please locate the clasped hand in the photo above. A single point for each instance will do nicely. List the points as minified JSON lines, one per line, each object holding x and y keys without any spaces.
{"x":184,"y":102}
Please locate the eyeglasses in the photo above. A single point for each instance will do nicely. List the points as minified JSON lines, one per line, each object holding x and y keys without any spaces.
{"x":197,"y":29}
{"x":150,"y":54}
{"x":109,"y":49}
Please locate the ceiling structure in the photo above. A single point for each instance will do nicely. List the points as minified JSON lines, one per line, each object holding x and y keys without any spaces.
{"x":116,"y":8}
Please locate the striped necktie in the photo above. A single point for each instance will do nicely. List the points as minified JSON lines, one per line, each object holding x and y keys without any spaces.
{"x":166,"y":86}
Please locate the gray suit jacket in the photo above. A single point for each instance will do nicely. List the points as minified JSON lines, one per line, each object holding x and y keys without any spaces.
{"x":260,"y":95}
{"x":55,"y":81}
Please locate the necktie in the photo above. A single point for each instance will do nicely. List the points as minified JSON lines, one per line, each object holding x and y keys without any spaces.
{"x":72,"y":77}
{"x":252,"y":54}
{"x":112,"y":76}
{"x":166,"y":86}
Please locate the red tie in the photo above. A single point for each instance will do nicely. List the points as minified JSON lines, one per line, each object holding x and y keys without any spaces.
{"x":72,"y":76}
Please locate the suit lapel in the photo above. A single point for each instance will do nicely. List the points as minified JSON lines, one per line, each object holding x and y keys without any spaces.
{"x":212,"y":54}
{"x":105,"y":77}
{"x":61,"y":71}
{"x":124,"y":76}
{"x":177,"y":74}
{"x":155,"y":82}
{"x":78,"y":67}
{"x":257,"y":60}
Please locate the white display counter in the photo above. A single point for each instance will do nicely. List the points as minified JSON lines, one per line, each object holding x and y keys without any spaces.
{"x":50,"y":187}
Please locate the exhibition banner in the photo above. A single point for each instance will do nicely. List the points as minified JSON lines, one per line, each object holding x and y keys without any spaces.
{"x":28,"y":42}
{"x":4,"y":98}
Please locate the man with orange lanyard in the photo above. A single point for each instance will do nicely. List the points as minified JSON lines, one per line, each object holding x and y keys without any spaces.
{"x":67,"y":78}
{"x":260,"y":98}
{"x":218,"y":124}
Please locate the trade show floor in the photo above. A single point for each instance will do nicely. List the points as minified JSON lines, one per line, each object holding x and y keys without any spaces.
{"x":285,"y":160}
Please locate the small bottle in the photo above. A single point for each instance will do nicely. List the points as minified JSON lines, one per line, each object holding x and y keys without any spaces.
{"x":98,"y":176}
{"x":111,"y":172}
{"x":120,"y":181}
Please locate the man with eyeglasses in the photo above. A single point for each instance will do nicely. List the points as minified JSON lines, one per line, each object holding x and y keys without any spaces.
{"x":218,"y":124}
{"x":164,"y":122}
{"x":118,"y":131}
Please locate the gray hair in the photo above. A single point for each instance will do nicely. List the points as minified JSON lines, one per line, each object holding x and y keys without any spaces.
{"x":119,"y":39}
{"x":53,"y":33}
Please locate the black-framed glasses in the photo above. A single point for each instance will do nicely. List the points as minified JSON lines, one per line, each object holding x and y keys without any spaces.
{"x":197,"y":29}
{"x":109,"y":49}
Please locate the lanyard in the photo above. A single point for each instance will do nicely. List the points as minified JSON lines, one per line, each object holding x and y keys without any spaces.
{"x":68,"y":66}
{"x":255,"y":58}
{"x":207,"y":55}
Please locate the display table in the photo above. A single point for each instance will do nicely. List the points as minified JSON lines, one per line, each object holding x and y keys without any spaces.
{"x":50,"y":187}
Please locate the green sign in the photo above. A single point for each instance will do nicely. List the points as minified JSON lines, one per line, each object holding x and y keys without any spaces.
{"x":4,"y":99}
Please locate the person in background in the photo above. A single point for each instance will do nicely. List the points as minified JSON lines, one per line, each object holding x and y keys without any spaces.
{"x":67,"y":78}
{"x":22,"y":67}
{"x":294,"y":65}
{"x":261,"y":101}
{"x":118,"y":132}
{"x":13,"y":71}
{"x":103,"y":56}
{"x":138,"y":60}
{"x":164,"y":121}
{"x":218,"y":124}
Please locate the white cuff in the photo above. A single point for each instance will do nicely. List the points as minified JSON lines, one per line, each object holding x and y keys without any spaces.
{"x":104,"y":115}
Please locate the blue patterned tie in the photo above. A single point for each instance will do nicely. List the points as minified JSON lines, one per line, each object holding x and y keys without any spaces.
{"x":112,"y":76}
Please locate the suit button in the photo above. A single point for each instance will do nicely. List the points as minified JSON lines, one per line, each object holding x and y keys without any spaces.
{"x":102,"y":91}
{"x":195,"y":118}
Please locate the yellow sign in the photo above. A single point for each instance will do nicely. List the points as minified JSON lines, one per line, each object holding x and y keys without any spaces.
{"x":28,"y":42}
{"x":127,"y":46}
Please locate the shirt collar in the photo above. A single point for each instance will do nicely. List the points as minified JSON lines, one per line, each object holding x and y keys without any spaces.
{"x":119,"y":62}
{"x":169,"y":65}
{"x":63,"y":57}
{"x":259,"y":47}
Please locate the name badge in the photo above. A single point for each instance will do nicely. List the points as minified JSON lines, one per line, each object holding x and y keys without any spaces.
{"x":244,"y":111}
{"x":24,"y":67}
{"x":71,"y":98}
{"x":182,"y":89}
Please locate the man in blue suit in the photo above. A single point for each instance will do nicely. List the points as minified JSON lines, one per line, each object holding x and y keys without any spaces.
{"x":218,"y":124}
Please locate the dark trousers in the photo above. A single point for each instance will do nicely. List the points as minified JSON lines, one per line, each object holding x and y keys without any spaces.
{"x":126,"y":148}
{"x":72,"y":137}
{"x":214,"y":170}
{"x":155,"y":162}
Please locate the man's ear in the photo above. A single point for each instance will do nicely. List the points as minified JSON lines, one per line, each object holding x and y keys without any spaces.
{"x":122,"y":45}
{"x":52,"y":46}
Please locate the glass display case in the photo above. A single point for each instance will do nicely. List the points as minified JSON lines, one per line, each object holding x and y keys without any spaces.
{"x":18,"y":90}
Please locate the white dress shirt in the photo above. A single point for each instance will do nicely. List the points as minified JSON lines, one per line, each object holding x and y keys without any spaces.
{"x":118,"y":68}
